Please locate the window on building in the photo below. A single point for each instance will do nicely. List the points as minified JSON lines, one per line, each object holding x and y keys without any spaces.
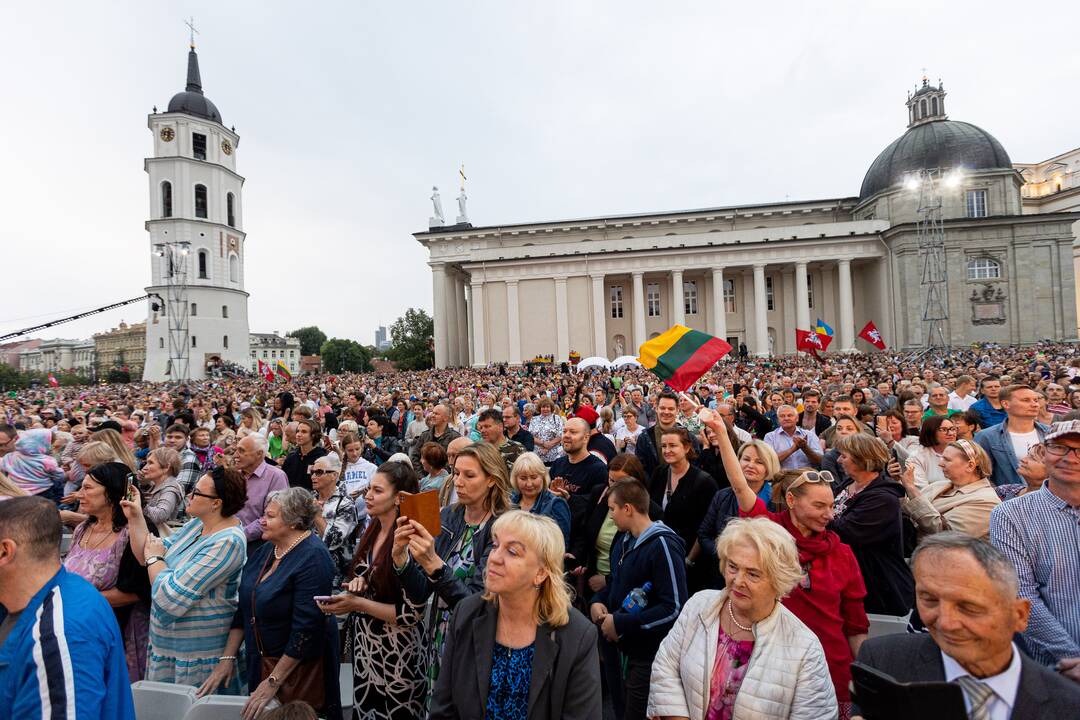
{"x":200,"y":201}
{"x":292,"y":353}
{"x":983,"y":269}
{"x":194,"y":309}
{"x":204,"y":262}
{"x":933,"y":106}
{"x":161,"y":343}
{"x":652,"y":298}
{"x":252,"y":353}
{"x":264,"y":354}
{"x":729,"y":296}
{"x":230,"y":209}
{"x":198,"y":146}
{"x":273,"y":354}
{"x":976,"y":203}
{"x":234,"y":268}
{"x":166,"y":199}
{"x":616,"y":301}
{"x":225,"y":341}
{"x":922,"y":108}
{"x":809,"y":290}
{"x":689,"y":290}
{"x":194,"y":341}
{"x":224,"y":311}
{"x":770,"y":303}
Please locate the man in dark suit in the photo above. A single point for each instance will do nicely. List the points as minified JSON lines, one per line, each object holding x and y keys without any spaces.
{"x":966,"y":591}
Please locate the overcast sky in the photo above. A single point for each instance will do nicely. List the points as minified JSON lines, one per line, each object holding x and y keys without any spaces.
{"x":349,"y":112}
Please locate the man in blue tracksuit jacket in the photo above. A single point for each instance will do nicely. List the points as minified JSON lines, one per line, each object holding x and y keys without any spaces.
{"x":61,"y":656}
{"x":643,"y":552}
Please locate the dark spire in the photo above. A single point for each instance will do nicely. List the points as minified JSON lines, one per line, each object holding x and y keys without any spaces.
{"x":194,"y":81}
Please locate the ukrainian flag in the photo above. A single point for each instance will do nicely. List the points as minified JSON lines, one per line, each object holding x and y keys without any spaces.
{"x":822,"y":329}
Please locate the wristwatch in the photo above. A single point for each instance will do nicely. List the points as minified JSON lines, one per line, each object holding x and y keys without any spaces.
{"x":153,"y":559}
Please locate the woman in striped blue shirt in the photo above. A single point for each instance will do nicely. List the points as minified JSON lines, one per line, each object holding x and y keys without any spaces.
{"x":194,"y":576}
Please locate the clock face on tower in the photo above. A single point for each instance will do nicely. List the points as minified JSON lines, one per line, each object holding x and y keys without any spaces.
{"x":167,"y":134}
{"x":226,"y":147}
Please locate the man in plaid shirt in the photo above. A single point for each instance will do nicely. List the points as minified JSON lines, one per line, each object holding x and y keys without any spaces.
{"x":176,"y":437}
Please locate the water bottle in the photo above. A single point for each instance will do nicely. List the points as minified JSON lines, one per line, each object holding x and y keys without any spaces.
{"x":637,"y":599}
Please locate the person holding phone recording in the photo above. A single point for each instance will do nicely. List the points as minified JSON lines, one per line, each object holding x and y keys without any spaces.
{"x":383,"y":627}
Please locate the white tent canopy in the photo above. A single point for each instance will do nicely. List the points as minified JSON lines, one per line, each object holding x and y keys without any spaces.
{"x":624,"y":361}
{"x":594,"y":362}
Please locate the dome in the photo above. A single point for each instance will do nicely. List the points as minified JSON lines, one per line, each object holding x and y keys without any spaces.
{"x":191,"y":100}
{"x":937,"y":144}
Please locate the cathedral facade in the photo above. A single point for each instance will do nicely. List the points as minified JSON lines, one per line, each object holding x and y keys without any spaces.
{"x":753,"y":274}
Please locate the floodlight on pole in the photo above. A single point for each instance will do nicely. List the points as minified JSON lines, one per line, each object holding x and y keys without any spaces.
{"x":931,"y":242}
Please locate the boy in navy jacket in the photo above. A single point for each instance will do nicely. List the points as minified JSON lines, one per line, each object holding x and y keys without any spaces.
{"x":643,"y":552}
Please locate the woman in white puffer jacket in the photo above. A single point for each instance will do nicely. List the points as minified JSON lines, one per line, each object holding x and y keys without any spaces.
{"x":739,"y":653}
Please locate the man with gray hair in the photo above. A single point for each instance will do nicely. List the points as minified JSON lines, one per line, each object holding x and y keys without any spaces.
{"x":966,"y":594}
{"x":796,"y":447}
{"x":262,"y":479}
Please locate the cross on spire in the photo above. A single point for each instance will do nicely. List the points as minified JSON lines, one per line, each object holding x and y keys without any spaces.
{"x":190,"y":22}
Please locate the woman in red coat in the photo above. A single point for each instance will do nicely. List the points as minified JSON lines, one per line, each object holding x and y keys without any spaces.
{"x":829,"y":599}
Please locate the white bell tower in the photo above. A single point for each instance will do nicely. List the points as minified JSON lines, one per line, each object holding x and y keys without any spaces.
{"x":196,"y":240}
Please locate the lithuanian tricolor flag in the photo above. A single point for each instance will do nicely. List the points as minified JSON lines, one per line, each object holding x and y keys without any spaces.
{"x":283,"y":370}
{"x":680,"y":356}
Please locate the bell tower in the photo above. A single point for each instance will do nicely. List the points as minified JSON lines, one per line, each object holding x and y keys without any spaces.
{"x":196,"y":239}
{"x":927,"y":104}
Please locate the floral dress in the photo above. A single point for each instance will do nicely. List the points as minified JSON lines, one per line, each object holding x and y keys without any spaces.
{"x":545,"y":428}
{"x":109,"y":567}
{"x":732,"y":658}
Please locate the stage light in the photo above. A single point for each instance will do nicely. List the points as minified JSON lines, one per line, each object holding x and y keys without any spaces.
{"x":912,"y":182}
{"x":954,"y":178}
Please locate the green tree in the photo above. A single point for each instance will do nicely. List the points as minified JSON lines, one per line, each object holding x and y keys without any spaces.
{"x":411,"y":341}
{"x":11,"y":378}
{"x":118,"y":375}
{"x":340,"y":355}
{"x":311,"y":339}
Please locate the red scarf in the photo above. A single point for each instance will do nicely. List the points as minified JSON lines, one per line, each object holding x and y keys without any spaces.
{"x":810,"y":546}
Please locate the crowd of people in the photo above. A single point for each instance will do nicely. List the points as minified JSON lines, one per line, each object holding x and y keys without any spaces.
{"x":605,"y":547}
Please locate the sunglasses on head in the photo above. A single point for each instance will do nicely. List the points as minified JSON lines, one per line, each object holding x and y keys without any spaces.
{"x":813,"y":476}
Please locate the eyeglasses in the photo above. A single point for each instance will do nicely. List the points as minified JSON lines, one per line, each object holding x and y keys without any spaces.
{"x":951,"y":429}
{"x":1060,"y":451}
{"x":320,"y":473}
{"x":195,"y":493}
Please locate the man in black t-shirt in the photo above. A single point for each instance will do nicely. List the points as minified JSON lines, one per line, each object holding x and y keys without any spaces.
{"x":580,"y":469}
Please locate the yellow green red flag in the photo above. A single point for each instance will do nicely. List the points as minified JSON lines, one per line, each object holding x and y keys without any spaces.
{"x":283,"y":369}
{"x":680,"y":356}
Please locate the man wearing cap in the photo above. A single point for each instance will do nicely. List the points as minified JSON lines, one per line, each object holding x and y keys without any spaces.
{"x":1040,"y":532}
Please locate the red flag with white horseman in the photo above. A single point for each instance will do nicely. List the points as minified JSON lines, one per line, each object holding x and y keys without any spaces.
{"x":872,"y":335}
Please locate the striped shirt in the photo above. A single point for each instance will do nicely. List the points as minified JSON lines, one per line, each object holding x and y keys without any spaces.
{"x":1040,"y":533}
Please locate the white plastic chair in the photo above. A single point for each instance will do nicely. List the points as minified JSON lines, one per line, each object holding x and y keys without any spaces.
{"x":161,"y":701}
{"x":220,"y":707}
{"x":346,"y":679}
{"x":887,"y":624}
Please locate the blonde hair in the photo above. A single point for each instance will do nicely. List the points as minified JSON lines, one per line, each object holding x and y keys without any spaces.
{"x":870,"y":453}
{"x":96,"y":452}
{"x":8,"y":488}
{"x":543,"y":537}
{"x":777,"y":554}
{"x":529,"y":463}
{"x":116,"y":441}
{"x":973,"y":452}
{"x":168,"y":459}
{"x":492,"y":464}
{"x":765,"y":454}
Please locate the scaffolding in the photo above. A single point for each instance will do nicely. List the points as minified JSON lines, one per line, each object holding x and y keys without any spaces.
{"x":175,"y":256}
{"x":931,"y":241}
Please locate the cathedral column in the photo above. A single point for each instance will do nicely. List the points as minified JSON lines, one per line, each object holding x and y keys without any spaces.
{"x":749,"y":330}
{"x":802,"y":298}
{"x":463,"y":321}
{"x":847,"y":307}
{"x":761,"y":318}
{"x":562,"y":322}
{"x":478,"y":324}
{"x":719,"y":309}
{"x":678,"y":301}
{"x":438,"y":297}
{"x":513,"y":322}
{"x":453,"y":358}
{"x":639,"y":311}
{"x":785,"y":343}
{"x":599,"y":316}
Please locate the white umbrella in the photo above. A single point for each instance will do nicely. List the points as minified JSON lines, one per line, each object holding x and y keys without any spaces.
{"x":624,"y":360}
{"x":594,"y":362}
